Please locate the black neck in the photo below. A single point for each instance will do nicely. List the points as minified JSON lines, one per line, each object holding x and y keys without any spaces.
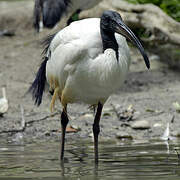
{"x":109,"y":41}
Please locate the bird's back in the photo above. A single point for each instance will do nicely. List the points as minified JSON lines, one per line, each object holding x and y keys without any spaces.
{"x":78,"y":30}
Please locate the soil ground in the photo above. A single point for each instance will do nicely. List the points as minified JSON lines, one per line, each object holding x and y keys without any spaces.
{"x":150,"y":93}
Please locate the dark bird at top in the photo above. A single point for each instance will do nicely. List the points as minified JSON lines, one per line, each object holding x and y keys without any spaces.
{"x":47,"y":13}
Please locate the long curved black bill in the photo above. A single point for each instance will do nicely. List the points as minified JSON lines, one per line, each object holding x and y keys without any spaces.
{"x":124,"y":30}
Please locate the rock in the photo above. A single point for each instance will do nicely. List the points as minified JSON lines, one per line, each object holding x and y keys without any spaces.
{"x":108,"y":111}
{"x":142,"y":124}
{"x":157,"y":125}
{"x":90,"y":135}
{"x":74,"y":126}
{"x":86,"y":117}
{"x":123,"y":135}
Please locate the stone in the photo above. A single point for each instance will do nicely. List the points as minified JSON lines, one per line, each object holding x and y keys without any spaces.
{"x":123,"y":135}
{"x":141,"y":124}
{"x":157,"y":125}
{"x":86,"y":117}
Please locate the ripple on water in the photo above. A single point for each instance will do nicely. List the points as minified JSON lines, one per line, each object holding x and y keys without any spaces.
{"x":118,"y":160}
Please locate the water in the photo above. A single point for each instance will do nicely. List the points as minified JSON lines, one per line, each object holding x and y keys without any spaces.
{"x":118,"y":160}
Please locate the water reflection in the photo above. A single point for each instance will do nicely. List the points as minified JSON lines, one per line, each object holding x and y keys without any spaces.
{"x":117,"y":160}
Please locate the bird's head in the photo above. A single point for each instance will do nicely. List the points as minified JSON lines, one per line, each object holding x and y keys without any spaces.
{"x":111,"y":22}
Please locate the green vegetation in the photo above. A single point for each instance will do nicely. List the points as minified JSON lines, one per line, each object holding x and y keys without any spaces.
{"x":171,"y":7}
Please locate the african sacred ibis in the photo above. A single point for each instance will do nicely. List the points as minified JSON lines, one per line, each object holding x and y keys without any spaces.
{"x":86,"y":62}
{"x":48,"y":13}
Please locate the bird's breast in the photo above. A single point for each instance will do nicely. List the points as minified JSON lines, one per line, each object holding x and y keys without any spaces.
{"x":96,"y":79}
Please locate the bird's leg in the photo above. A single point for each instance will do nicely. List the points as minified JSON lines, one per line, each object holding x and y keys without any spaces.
{"x":55,"y":93}
{"x":96,"y":130}
{"x":64,"y":122}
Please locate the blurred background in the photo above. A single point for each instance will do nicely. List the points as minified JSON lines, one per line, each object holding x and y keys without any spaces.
{"x":146,"y":107}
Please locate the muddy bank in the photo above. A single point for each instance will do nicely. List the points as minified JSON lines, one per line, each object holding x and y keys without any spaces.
{"x":146,"y":96}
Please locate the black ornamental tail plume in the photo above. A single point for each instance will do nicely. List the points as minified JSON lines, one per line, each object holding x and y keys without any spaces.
{"x":38,"y":86}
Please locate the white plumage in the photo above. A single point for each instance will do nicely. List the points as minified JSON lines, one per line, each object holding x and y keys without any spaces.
{"x":84,"y":73}
{"x":87,"y":62}
{"x":3,"y":102}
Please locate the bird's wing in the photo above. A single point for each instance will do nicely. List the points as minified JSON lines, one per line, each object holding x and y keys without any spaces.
{"x":65,"y":59}
{"x":70,"y":47}
{"x":80,"y":38}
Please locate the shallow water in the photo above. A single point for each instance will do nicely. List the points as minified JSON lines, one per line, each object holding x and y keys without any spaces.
{"x":13,"y":0}
{"x":118,"y":160}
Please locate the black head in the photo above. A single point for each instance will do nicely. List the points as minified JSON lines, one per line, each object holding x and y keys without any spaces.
{"x":111,"y":22}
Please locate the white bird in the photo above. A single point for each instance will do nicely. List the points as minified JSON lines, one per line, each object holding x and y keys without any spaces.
{"x":3,"y":102}
{"x":48,"y":13}
{"x":86,"y":62}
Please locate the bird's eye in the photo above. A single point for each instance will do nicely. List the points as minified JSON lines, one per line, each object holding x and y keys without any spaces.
{"x":113,"y":23}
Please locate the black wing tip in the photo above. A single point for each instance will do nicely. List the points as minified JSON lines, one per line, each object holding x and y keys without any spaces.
{"x":37,"y":99}
{"x":38,"y":86}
